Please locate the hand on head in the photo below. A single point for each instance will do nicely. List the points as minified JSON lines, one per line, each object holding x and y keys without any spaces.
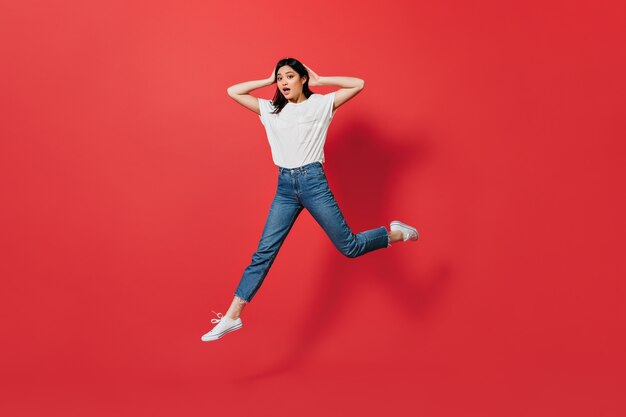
{"x":313,"y":77}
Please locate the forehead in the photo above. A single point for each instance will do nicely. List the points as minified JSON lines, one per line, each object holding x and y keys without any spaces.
{"x":285,"y":69}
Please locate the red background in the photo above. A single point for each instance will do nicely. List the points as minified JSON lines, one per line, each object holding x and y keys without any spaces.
{"x":134,"y":191}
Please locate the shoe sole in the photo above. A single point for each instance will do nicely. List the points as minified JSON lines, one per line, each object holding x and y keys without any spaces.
{"x":219,"y":336}
{"x":406,"y":226}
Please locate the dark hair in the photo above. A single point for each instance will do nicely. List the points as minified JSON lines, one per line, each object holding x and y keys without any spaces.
{"x":279,"y":100}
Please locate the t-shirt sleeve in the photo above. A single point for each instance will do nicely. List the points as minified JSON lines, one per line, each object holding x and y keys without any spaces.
{"x":264,"y":109}
{"x":329,"y":100}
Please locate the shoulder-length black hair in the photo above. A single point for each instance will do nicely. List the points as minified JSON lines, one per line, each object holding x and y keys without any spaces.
{"x":279,"y":100}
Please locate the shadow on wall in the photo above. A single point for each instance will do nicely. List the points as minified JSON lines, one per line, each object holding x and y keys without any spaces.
{"x":364,"y":169}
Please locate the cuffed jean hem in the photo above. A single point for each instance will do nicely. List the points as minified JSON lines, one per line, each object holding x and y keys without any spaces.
{"x":236,"y":294}
{"x":374,"y":239}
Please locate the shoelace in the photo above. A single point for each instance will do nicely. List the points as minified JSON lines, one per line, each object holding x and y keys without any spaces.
{"x":218,"y":319}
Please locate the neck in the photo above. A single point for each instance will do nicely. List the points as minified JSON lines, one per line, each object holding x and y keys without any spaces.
{"x":299,"y":99}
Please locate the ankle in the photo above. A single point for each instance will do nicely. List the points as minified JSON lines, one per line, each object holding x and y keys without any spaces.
{"x":396,"y":236}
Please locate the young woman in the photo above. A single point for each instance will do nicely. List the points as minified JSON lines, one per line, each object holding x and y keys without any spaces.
{"x":296,"y":122}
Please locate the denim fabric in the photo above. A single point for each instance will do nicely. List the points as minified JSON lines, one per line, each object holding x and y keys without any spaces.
{"x":299,"y":188}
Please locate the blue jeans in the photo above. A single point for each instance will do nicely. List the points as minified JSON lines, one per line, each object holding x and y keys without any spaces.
{"x":298,"y":188}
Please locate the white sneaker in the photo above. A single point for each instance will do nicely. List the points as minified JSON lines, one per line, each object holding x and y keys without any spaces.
{"x":408,"y":232}
{"x":224,"y":325}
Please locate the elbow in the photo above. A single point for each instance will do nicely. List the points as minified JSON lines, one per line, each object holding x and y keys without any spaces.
{"x":361,"y":84}
{"x":229,"y":92}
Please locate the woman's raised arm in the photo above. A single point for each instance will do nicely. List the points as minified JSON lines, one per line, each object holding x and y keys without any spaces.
{"x":350,"y":86}
{"x":239,"y":92}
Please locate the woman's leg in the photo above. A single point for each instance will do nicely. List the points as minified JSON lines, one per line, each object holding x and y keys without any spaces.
{"x":284,"y":210}
{"x":282,"y":215}
{"x":319,"y":200}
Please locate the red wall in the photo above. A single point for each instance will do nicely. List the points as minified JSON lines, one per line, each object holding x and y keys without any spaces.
{"x":134,"y":191}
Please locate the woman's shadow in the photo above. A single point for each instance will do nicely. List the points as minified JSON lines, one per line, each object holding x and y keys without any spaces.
{"x":363,"y":181}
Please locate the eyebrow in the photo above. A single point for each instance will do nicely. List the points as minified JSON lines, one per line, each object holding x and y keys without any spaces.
{"x":288,"y":72}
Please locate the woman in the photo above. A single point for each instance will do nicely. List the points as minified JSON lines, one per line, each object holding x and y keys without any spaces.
{"x":296,"y":122}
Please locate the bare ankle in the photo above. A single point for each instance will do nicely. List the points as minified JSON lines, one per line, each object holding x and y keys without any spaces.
{"x":236,"y":307}
{"x":396,"y":236}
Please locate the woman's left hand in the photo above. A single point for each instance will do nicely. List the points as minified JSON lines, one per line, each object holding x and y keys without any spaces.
{"x":314,"y":79}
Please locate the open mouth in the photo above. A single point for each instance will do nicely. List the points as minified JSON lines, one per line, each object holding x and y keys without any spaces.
{"x":286,"y":90}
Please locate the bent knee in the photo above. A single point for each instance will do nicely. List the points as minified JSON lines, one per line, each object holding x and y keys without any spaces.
{"x":349,"y":251}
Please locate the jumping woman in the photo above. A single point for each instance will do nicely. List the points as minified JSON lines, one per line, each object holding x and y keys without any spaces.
{"x":296,"y":122}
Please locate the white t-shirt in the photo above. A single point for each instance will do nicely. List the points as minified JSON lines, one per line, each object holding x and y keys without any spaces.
{"x":298,"y":133}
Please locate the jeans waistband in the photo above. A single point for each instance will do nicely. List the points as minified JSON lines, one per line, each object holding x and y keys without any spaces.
{"x":301,"y":169}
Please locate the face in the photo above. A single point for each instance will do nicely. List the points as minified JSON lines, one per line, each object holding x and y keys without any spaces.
{"x":289,"y":82}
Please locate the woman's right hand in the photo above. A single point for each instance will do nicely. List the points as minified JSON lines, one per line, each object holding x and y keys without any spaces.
{"x":272,"y":78}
